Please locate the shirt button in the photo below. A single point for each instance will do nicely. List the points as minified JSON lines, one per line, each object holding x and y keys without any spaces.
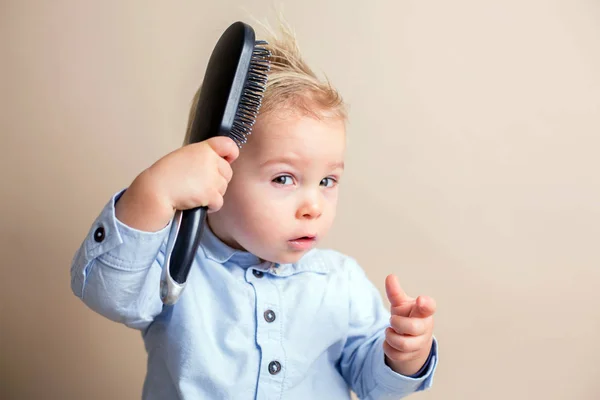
{"x":269,"y":316}
{"x":257,"y":273}
{"x":274,"y":367}
{"x":99,"y":234}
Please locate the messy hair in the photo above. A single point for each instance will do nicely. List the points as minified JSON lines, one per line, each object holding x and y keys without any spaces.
{"x":291,"y":83}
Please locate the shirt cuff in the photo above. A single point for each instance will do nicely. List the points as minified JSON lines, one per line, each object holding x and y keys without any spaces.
{"x":397,"y":384}
{"x":119,"y":245}
{"x":425,"y":366}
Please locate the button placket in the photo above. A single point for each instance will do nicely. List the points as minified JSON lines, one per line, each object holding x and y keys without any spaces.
{"x":268,"y":331}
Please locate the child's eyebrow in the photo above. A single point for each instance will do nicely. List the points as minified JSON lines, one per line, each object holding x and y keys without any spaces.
{"x":280,"y":160}
{"x":293,"y":161}
{"x":336,"y":165}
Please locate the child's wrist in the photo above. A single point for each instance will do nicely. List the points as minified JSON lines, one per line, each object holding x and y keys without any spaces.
{"x":408,"y":367}
{"x":159,"y":203}
{"x":143,"y":205}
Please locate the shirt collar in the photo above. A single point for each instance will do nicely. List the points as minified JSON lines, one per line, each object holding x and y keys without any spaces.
{"x":217,"y":250}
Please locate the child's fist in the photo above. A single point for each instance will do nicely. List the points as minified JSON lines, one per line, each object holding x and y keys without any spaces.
{"x":409,"y":338}
{"x":196,"y":174}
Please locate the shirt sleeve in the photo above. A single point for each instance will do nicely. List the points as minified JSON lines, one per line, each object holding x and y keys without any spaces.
{"x":116,"y":270}
{"x":363,"y":360}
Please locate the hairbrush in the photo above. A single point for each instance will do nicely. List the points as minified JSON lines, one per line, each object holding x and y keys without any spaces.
{"x":228,"y":104}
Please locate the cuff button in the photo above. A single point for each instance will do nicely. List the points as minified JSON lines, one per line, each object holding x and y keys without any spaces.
{"x":99,"y":234}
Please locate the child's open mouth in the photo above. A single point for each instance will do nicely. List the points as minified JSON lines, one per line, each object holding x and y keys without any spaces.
{"x":303,"y":243}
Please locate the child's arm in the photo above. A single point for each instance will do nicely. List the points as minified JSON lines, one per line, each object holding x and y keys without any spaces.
{"x":363,"y":363}
{"x":116,"y":270}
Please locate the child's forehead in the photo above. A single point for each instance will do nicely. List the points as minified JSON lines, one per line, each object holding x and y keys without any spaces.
{"x":277,"y":134}
{"x":290,"y":126}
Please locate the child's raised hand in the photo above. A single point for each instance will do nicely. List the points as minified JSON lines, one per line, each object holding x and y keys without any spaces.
{"x":197,"y":174}
{"x":192,"y":176}
{"x":409,"y":338}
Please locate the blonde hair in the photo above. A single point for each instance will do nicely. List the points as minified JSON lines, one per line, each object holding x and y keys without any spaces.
{"x":291,"y":83}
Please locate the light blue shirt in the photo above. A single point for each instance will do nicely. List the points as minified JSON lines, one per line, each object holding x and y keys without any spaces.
{"x":243,"y":329}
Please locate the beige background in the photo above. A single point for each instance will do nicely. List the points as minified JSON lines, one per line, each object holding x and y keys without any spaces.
{"x":472,"y":174}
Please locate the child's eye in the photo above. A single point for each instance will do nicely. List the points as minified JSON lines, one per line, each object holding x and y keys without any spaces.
{"x":284,"y":180}
{"x":328,"y":182}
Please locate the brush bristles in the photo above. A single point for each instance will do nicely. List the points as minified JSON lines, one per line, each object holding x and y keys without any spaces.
{"x":252,"y":95}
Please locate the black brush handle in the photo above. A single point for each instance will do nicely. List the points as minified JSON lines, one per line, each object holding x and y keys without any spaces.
{"x":184,"y":238}
{"x":186,"y":243}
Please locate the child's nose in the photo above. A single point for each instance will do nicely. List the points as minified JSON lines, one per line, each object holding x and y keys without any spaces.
{"x":310,"y":209}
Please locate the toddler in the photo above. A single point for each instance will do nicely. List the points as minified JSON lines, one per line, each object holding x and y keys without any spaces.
{"x":265,"y":313}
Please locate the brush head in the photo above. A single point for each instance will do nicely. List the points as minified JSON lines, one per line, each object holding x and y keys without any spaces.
{"x":233,"y":86}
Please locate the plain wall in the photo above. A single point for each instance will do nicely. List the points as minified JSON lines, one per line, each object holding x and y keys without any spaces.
{"x":472,"y":173}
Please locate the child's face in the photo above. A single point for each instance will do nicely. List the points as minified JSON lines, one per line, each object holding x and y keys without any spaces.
{"x":283,"y":195}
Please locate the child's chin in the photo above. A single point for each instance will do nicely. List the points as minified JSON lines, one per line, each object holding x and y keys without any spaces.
{"x":289,"y":257}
